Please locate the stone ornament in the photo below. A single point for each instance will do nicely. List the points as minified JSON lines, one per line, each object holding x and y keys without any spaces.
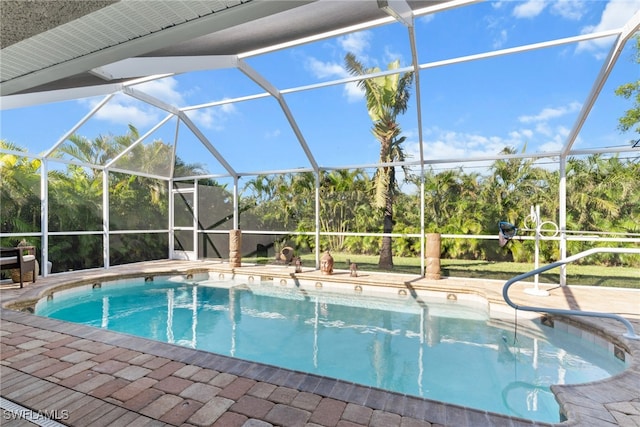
{"x":353,"y":268}
{"x":326,"y":263}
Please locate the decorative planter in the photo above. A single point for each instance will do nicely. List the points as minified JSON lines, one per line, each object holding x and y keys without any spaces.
{"x":26,"y":277}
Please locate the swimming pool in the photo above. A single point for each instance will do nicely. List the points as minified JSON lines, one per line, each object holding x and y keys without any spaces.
{"x":449,"y":350}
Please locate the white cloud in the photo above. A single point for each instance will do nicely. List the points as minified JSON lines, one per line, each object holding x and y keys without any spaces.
{"x":390,"y":56}
{"x":529,"y":8}
{"x":543,"y":128}
{"x":327,"y":70}
{"x":554,"y":144}
{"x":204,"y":118}
{"x":167,"y":90}
{"x":442,"y":144}
{"x":614,"y":15}
{"x":557,"y":140}
{"x":425,"y":19}
{"x":356,"y":43}
{"x":569,"y":9}
{"x":272,"y":134}
{"x":122,"y":109}
{"x":522,"y":134}
{"x":229,"y":108}
{"x":212,"y":118}
{"x":353,"y":92}
{"x":497,"y":4}
{"x":324,"y":70}
{"x":500,"y":40}
{"x":551,"y":113}
{"x":553,"y":136}
{"x":164,"y":89}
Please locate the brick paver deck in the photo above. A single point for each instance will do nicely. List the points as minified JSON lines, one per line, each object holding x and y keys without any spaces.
{"x":83,"y":376}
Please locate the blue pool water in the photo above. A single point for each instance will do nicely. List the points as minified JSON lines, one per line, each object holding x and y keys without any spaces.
{"x":444,"y":350}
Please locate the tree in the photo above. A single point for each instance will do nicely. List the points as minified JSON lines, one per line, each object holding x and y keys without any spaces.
{"x":631,"y":119}
{"x":387,"y":97}
{"x":19,"y":190}
{"x":342,"y":194}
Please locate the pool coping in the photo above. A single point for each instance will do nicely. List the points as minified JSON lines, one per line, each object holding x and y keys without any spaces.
{"x":606,"y":402}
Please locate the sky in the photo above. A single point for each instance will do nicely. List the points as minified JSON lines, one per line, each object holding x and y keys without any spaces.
{"x":524,"y":101}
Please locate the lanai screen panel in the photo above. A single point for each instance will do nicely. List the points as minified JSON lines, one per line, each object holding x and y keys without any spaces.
{"x":75,"y":252}
{"x":138,"y":247}
{"x":220,"y":82}
{"x":75,"y":211}
{"x":258,"y":137}
{"x":278,"y":202}
{"x":601,"y":128}
{"x":215,"y":217}
{"x":337,"y":126}
{"x":193,"y":157}
{"x":137,"y":202}
{"x":492,"y":26}
{"x":75,"y":198}
{"x":104,"y":137}
{"x":477,"y":109}
{"x":215,"y":204}
{"x":152,"y":153}
{"x":37,"y":128}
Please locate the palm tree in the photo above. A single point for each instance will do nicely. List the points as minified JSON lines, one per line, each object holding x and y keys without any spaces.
{"x":342,"y":192}
{"x":631,"y":119}
{"x":387,"y":97}
{"x":19,"y":190}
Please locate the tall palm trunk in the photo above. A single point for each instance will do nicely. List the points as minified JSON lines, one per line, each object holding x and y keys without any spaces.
{"x":386,"y":254}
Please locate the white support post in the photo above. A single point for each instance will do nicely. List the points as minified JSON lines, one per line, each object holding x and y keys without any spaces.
{"x":44,"y":215}
{"x":236,"y":209}
{"x":317,"y":172}
{"x":170,"y":218}
{"x":562,"y":194}
{"x":105,"y":218}
{"x":423,"y":241}
{"x":196,"y":218}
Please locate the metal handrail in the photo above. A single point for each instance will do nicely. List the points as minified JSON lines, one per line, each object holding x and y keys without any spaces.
{"x":505,"y":290}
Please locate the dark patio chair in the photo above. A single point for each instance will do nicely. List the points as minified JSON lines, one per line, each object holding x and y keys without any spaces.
{"x":15,"y":258}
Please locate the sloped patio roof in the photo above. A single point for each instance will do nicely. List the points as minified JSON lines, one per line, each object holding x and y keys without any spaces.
{"x":49,"y":46}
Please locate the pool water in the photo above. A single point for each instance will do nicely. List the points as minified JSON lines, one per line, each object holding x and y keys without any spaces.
{"x":449,"y":351}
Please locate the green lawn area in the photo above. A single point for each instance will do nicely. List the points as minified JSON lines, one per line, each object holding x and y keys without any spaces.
{"x":590,"y":275}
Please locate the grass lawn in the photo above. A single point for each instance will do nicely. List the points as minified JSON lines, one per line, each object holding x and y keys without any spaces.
{"x":590,"y":275}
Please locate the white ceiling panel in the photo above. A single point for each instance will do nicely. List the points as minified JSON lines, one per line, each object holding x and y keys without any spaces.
{"x":118,"y":31}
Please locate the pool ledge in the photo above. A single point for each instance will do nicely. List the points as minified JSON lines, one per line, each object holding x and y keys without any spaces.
{"x":36,"y":350}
